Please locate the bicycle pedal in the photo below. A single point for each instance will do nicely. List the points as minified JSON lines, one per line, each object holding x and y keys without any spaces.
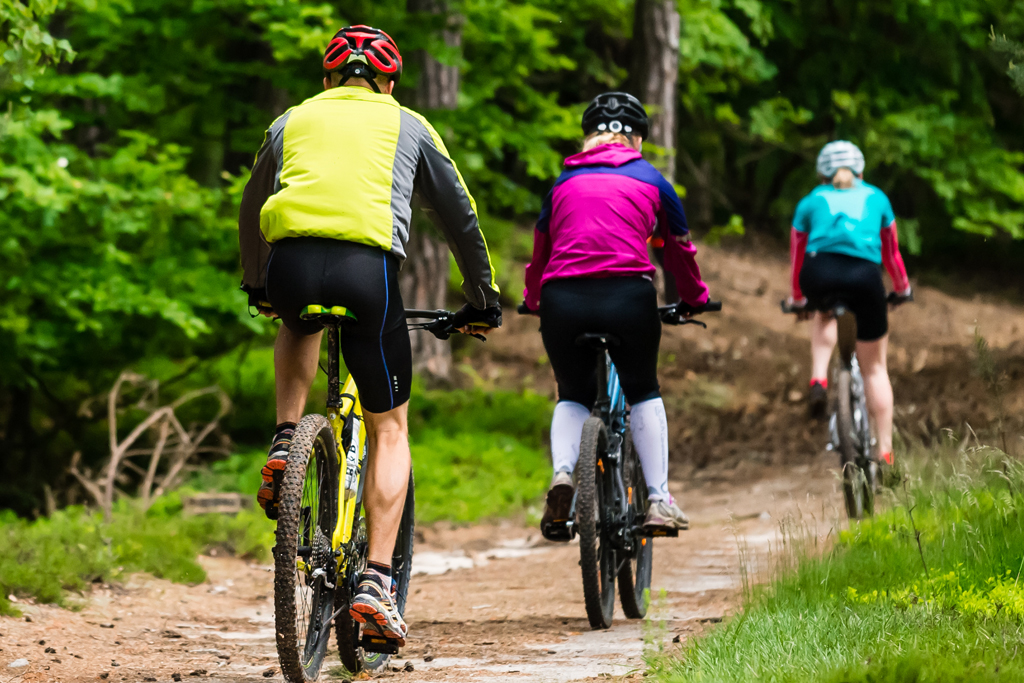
{"x":379,"y":644}
{"x":661,"y":532}
{"x":560,"y":531}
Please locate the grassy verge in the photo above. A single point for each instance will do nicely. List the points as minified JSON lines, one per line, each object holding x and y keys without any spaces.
{"x":476,"y":454}
{"x":50,"y":558}
{"x":880,"y":607}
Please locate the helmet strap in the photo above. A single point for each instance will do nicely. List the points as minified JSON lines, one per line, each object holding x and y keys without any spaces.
{"x":353,"y":70}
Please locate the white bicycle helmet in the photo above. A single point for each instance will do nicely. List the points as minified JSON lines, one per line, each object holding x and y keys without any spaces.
{"x":840,"y":154}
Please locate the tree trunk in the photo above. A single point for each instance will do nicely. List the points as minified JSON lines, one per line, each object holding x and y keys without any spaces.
{"x":424,"y":284}
{"x":438,"y":85}
{"x":656,"y":74}
{"x":424,"y":279}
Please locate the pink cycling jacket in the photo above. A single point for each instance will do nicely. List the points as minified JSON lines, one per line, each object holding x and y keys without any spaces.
{"x":597,"y":219}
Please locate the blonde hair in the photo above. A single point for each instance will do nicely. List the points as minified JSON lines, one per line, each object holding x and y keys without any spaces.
{"x":607,"y":137}
{"x":843,"y":178}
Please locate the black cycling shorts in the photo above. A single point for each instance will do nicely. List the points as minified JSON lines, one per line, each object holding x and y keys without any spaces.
{"x":827,"y":279}
{"x":626,"y":307}
{"x":316,"y":270}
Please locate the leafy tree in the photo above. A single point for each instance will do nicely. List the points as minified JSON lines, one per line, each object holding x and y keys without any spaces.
{"x":767,"y":82}
{"x":106,"y":258}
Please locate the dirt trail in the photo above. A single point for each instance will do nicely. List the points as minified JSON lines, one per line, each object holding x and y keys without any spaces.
{"x":496,"y":603}
{"x":489,"y":602}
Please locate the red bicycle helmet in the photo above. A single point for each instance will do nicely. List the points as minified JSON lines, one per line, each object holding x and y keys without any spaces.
{"x":363,"y":52}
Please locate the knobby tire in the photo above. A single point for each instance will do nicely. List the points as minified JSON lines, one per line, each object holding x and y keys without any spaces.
{"x":856,"y":489}
{"x":635,"y":575}
{"x":597,"y":559}
{"x":301,"y":606}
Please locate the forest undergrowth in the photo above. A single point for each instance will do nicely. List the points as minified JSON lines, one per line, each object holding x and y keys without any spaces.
{"x":929,"y":590}
{"x":476,"y":455}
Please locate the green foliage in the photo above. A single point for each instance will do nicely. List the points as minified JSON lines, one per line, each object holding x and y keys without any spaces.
{"x":875,"y":609}
{"x":767,"y":82}
{"x":475,"y":474}
{"x":26,"y":47}
{"x":477,"y":453}
{"x":46,"y":558}
{"x":525,"y":415}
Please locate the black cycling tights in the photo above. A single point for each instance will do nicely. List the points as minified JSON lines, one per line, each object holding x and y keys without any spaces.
{"x":315,"y":270}
{"x":626,"y":307}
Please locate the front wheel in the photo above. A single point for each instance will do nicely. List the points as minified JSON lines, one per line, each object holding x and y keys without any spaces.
{"x":857,"y":489}
{"x":597,"y":557}
{"x":304,"y":562}
{"x":352,"y":655}
{"x":635,"y":574}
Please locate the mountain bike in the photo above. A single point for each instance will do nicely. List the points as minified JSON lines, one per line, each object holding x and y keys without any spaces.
{"x":610,"y":500}
{"x":322,"y":547}
{"x":849,"y":424}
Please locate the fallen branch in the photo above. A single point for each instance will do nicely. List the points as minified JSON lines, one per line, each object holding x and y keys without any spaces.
{"x":171,"y":437}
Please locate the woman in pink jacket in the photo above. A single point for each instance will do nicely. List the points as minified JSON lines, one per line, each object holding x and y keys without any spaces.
{"x":591,"y":273}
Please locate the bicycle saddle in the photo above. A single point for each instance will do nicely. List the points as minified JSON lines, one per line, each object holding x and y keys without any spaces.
{"x":328,"y":314}
{"x":597,"y":341}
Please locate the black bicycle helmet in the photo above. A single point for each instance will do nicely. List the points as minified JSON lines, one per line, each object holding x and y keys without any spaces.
{"x":616,"y":112}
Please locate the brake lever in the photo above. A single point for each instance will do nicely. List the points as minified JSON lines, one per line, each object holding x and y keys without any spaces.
{"x":692,"y":321}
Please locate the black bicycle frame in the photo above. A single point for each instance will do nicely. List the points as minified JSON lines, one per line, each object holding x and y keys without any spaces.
{"x":846,"y":322}
{"x":333,"y":371}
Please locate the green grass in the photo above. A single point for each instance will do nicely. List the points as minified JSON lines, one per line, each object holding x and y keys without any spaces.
{"x":49,"y":557}
{"x":477,"y":454}
{"x":869,"y":610}
{"x":473,"y":475}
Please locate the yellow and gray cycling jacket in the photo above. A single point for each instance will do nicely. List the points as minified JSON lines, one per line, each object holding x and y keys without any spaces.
{"x":345,"y":165}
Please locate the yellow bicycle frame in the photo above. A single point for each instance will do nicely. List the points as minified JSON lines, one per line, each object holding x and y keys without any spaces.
{"x":347,"y":499}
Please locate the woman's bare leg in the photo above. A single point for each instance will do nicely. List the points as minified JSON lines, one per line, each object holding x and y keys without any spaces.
{"x":878,"y":389}
{"x":824,"y":334}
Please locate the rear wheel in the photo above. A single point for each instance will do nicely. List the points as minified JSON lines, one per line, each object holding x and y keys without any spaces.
{"x":857,"y":490}
{"x":635,"y":575}
{"x":303,"y":558}
{"x":352,"y":655}
{"x":597,"y":557}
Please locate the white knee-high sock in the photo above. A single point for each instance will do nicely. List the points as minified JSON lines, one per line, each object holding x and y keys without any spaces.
{"x":566,"y":432}
{"x":650,"y":437}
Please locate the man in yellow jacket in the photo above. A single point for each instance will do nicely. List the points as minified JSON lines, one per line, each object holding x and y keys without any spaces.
{"x":325,"y":220}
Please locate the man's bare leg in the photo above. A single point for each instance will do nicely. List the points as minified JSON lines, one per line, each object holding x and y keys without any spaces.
{"x":878,"y":389}
{"x":387,"y":479}
{"x":295,"y":362}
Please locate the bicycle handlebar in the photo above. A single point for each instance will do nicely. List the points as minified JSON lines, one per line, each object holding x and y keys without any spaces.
{"x":673,"y":314}
{"x":441,"y":325}
{"x":677,"y":314}
{"x":893,"y":299}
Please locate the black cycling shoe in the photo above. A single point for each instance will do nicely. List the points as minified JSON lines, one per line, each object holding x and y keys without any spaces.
{"x":817,"y":401}
{"x":554,"y":524}
{"x":273,"y":472}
